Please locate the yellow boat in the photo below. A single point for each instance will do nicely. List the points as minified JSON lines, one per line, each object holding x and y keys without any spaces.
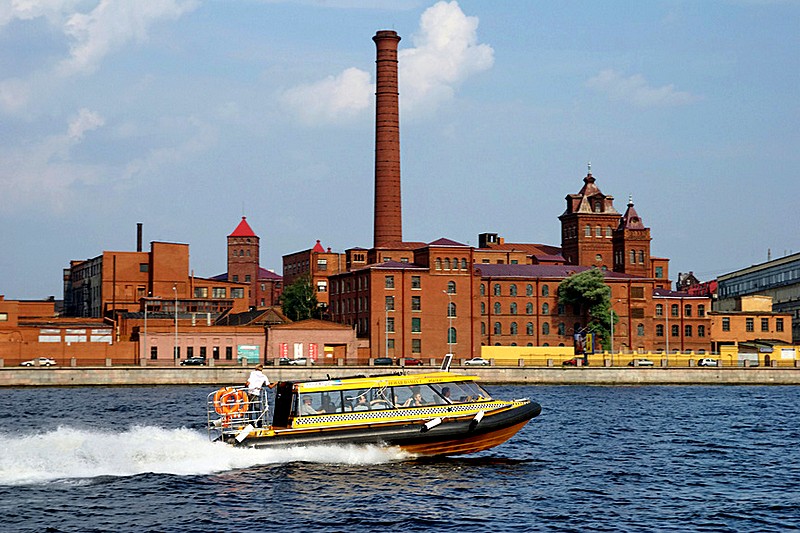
{"x":431,"y":414}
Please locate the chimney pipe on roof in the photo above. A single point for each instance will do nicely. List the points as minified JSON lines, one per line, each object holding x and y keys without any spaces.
{"x":388,"y":210}
{"x":138,"y":236}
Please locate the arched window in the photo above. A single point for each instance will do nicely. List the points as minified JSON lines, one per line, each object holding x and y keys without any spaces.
{"x":483,"y":308}
{"x":451,"y":309}
{"x":562,"y":328}
{"x":497,"y":289}
{"x":451,"y":336}
{"x":513,"y":328}
{"x":463,"y":263}
{"x":687,"y":310}
{"x":498,"y":329}
{"x":451,"y":287}
{"x":438,"y":264}
{"x":674,"y":310}
{"x":529,"y":328}
{"x":545,"y":308}
{"x":659,"y":309}
{"x":562,"y":309}
{"x":497,"y":308}
{"x":640,"y":330}
{"x":512,"y":290}
{"x":447,"y":263}
{"x":633,"y":256}
{"x":545,"y":328}
{"x":482,"y":289}
{"x":529,"y":308}
{"x":483,"y":328}
{"x":528,"y":290}
{"x":659,"y":330}
{"x":455,"y":263}
{"x":513,"y":308}
{"x":598,"y":231}
{"x":608,"y":231}
{"x":587,"y":231}
{"x":545,"y":290}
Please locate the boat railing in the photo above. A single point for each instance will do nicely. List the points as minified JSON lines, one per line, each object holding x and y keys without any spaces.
{"x":230,"y":409}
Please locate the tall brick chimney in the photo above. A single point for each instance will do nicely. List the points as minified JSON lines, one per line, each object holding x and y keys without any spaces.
{"x":388,"y":210}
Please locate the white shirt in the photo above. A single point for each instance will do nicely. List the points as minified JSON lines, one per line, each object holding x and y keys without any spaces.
{"x":256,"y":380}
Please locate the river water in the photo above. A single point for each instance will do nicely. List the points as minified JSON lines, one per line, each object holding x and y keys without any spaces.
{"x":597,"y":459}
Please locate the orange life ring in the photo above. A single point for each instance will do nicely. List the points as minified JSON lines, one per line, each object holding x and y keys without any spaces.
{"x":229,"y":401}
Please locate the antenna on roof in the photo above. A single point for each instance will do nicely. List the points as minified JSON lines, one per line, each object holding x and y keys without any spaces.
{"x":589,"y":164}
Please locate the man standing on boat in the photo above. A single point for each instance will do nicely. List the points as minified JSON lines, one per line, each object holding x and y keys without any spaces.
{"x":257,"y":385}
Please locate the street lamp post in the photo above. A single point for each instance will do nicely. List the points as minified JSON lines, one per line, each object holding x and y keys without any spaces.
{"x":667,"y":333}
{"x":175,"y":348}
{"x":450,"y":322}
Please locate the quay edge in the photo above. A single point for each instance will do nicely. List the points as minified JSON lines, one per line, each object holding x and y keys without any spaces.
{"x":495,"y":375}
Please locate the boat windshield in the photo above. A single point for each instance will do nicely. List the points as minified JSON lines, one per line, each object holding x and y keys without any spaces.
{"x":460,"y":392}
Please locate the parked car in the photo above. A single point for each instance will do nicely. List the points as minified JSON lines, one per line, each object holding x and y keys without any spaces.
{"x":284,"y":361}
{"x":707,"y":361}
{"x":194,"y":361}
{"x":301,"y":361}
{"x":641,"y":362}
{"x":409,"y":361}
{"x":574,"y":362}
{"x":477,"y":361}
{"x":382,"y":361}
{"x":43,"y":361}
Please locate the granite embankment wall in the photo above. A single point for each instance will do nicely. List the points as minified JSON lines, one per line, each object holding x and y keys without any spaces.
{"x":216,"y":376}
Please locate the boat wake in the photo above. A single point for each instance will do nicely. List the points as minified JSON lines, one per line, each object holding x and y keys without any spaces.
{"x":66,"y":454}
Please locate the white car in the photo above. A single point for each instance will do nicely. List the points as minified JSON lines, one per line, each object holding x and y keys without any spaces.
{"x":43,"y":361}
{"x":641,"y":362}
{"x":477,"y":361}
{"x":707,"y":361}
{"x":301,"y":361}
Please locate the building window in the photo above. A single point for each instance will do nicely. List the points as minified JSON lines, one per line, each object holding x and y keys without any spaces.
{"x":545,"y":309}
{"x":529,"y":328}
{"x":562,"y":328}
{"x":190,"y":351}
{"x":529,"y":308}
{"x":215,"y":352}
{"x":545,"y":328}
{"x":674,"y":310}
{"x":637,"y":312}
{"x":497,"y":289}
{"x":389,"y":282}
{"x":659,"y":310}
{"x":512,"y":290}
{"x":237,"y":293}
{"x":513,"y":329}
{"x":219,"y":292}
{"x":415,"y":282}
{"x":451,"y":336}
{"x":498,"y":329}
{"x":701,"y":331}
{"x":659,"y":330}
{"x":483,"y":328}
{"x":438,"y":264}
{"x":144,"y":267}
{"x":513,"y":308}
{"x":587,"y":231}
{"x":322,"y":264}
{"x":641,"y":257}
{"x":659,"y":272}
{"x":447,"y":263}
{"x":687,"y":330}
{"x":416,"y":345}
{"x":229,"y":352}
{"x":390,"y":324}
{"x":687,"y":310}
{"x":390,"y":344}
{"x":154,"y":352}
{"x":236,"y":278}
{"x":451,"y":287}
{"x":497,"y":308}
{"x":451,"y":309}
{"x":247,"y":278}
{"x":389,"y":304}
{"x":561,"y":309}
{"x":765,"y":324}
{"x":701,"y":310}
{"x":637,"y":292}
{"x":676,"y":331}
{"x":545,"y":290}
{"x":528,"y":290}
{"x":416,"y":303}
{"x":598,"y":231}
{"x":633,"y":257}
{"x":779,"y":324}
{"x":749,"y":324}
{"x":201,"y":292}
{"x":608,"y":231}
{"x":322,"y":286}
{"x":640,"y":330}
{"x":726,"y":323}
{"x":416,"y":325}
{"x":483,"y":308}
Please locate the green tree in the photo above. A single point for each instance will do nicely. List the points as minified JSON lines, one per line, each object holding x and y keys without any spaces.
{"x":299,"y":301}
{"x":588,"y":292}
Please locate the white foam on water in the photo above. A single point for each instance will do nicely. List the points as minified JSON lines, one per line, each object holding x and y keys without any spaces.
{"x":68,"y":453}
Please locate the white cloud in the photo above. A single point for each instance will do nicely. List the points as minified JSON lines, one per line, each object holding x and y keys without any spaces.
{"x":637,"y":91}
{"x":445,"y":53}
{"x":333,"y":98}
{"x":85,"y":121}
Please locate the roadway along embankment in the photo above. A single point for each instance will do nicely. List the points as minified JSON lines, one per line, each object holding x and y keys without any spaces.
{"x":217,"y":376}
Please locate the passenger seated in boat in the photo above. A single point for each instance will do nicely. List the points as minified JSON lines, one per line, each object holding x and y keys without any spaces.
{"x":306,"y":408}
{"x":361,"y":404}
{"x":415,"y":400}
{"x":446,"y":394}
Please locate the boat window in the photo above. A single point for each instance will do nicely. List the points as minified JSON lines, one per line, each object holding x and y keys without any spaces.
{"x":381,"y":398}
{"x":356,"y":400}
{"x":310,"y":403}
{"x":463,"y":391}
{"x":413,"y":396}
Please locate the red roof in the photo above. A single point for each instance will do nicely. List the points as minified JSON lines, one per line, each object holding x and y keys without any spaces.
{"x":318,"y":247}
{"x":243,"y":229}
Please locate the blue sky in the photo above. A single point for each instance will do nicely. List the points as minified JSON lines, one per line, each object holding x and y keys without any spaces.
{"x":187,"y":114}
